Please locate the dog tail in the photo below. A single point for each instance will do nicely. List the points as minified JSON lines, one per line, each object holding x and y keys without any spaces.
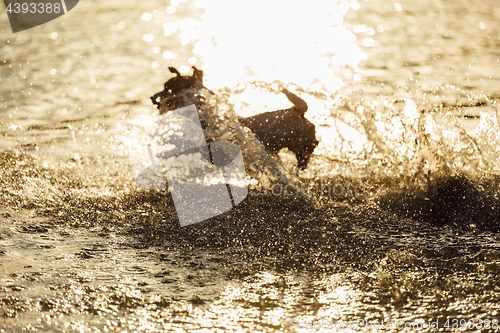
{"x":299,"y":105}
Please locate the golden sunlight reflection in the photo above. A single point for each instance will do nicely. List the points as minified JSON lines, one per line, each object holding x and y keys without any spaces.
{"x":276,"y":299}
{"x":291,"y":41}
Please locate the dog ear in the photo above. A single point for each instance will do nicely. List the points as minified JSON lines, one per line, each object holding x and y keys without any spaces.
{"x":299,"y":105}
{"x":197,"y":73}
{"x":174,"y":70}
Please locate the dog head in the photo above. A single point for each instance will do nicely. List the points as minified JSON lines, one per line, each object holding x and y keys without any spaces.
{"x":176,"y":85}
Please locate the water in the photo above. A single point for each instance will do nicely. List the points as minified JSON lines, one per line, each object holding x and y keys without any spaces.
{"x":398,"y":219}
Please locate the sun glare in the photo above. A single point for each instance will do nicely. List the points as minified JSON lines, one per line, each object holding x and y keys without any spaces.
{"x":292,"y":41}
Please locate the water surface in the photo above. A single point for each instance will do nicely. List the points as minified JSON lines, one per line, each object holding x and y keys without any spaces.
{"x":404,"y":96}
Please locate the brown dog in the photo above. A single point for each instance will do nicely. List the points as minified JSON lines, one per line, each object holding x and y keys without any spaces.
{"x":275,"y":129}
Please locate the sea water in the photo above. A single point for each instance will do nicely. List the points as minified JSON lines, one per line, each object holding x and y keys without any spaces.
{"x":394,"y":222}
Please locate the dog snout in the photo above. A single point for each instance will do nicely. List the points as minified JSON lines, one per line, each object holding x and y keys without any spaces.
{"x":156,"y":99}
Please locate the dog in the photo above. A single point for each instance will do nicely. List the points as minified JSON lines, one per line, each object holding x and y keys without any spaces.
{"x":274,"y":129}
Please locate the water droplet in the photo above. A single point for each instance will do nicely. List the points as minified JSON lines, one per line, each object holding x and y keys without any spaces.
{"x":368,"y":42}
{"x":148,"y":37}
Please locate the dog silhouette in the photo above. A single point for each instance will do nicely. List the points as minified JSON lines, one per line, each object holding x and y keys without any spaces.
{"x":276,"y":130}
